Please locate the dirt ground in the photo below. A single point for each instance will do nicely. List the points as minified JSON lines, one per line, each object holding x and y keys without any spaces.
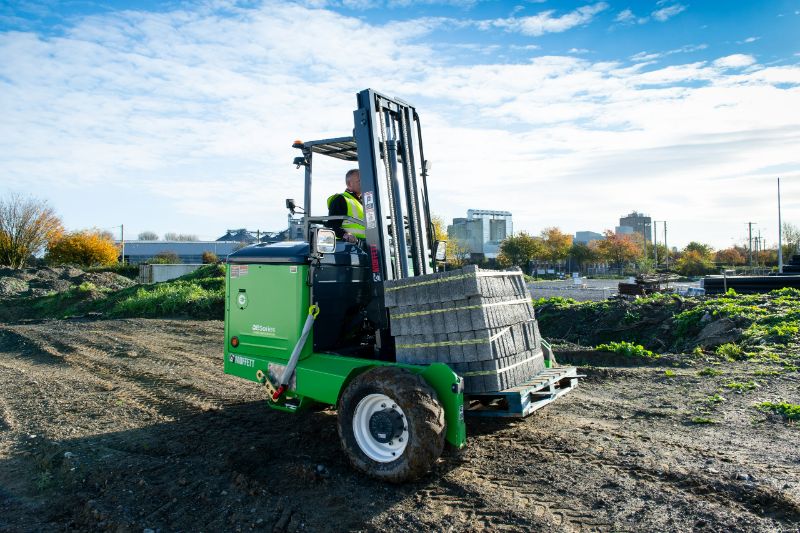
{"x":130,"y":425}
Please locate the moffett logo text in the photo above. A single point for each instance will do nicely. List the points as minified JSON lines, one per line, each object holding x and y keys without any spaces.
{"x":244,"y":361}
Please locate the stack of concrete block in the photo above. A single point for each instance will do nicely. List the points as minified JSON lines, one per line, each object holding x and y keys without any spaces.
{"x":480,"y":322}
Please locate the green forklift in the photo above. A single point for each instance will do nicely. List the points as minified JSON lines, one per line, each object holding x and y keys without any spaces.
{"x":307,"y":318}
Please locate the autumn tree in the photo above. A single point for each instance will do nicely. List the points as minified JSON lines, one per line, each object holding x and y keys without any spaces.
{"x":27,"y":227}
{"x":693,"y":263}
{"x":209,"y":257}
{"x":617,"y":248}
{"x":704,"y":250}
{"x":555,"y":245}
{"x":84,"y":248}
{"x":730,"y":256}
{"x":519,"y":250}
{"x":148,"y":236}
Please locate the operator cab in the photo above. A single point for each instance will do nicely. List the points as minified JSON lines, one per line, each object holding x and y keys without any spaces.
{"x":346,"y":280}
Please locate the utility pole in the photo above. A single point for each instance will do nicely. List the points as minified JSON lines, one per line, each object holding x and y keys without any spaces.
{"x":780,"y":233}
{"x":750,"y":243}
{"x":122,"y":238}
{"x":665,"y":243}
{"x":655,"y":242}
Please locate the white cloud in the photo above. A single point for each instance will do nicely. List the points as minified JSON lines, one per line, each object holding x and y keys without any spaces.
{"x":546,"y":22}
{"x":651,"y":56}
{"x":735,"y":61}
{"x":189,"y":116}
{"x":750,"y":40}
{"x":666,"y":13}
{"x":625,"y":16}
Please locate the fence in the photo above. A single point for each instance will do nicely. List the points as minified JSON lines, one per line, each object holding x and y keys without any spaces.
{"x":157,"y":272}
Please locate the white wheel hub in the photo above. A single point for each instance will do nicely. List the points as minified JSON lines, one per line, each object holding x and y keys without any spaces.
{"x":380,"y":428}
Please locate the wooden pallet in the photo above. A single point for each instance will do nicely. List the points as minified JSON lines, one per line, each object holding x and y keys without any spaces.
{"x":523,"y":400}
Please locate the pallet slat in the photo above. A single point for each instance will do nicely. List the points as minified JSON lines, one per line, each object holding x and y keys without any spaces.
{"x":522,"y":400}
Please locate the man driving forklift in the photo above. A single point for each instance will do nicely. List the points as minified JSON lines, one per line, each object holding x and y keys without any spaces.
{"x":348,"y":203}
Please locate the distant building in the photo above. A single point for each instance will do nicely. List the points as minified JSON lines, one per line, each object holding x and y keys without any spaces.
{"x":585,"y":237}
{"x":187,"y":251}
{"x":482,"y":231}
{"x":640,"y":223}
{"x":239,"y":235}
{"x":624,"y":230}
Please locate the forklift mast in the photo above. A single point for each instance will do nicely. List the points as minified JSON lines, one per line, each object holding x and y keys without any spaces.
{"x":387,"y":143}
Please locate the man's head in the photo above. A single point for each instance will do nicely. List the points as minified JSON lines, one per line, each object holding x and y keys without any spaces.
{"x":353,"y":180}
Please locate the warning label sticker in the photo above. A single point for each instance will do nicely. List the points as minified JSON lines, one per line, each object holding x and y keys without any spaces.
{"x":238,"y":271}
{"x":371,"y":220}
{"x":369,"y":200}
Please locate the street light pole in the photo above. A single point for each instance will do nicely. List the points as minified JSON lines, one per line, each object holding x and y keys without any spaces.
{"x":780,"y":233}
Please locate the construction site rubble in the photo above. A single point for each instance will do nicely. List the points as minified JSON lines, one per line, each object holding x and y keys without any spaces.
{"x":480,"y":322}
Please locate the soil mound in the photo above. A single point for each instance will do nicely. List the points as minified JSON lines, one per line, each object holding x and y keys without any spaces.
{"x":33,"y":282}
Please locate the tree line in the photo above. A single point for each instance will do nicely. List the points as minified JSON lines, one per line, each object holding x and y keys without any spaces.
{"x":30,"y":228}
{"x":629,"y":251}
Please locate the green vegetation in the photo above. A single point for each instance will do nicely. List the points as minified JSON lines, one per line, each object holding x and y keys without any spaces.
{"x":790,"y":411}
{"x":756,"y":327}
{"x":730,"y":351}
{"x":702,"y":420}
{"x":669,"y":373}
{"x":626,"y":348}
{"x":199,"y":294}
{"x":715,"y":399}
{"x":710,"y":372}
{"x":740,"y":386}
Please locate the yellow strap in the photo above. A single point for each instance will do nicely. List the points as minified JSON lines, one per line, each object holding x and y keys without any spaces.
{"x":465,"y":308}
{"x":495,"y":372}
{"x":313,"y":310}
{"x":452,"y":278}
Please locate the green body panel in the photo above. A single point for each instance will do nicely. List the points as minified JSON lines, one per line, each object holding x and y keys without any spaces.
{"x":268,"y":324}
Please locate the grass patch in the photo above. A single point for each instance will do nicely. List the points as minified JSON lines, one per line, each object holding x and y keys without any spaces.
{"x":703,"y":420}
{"x":710,"y":372}
{"x":730,"y":351}
{"x":627,"y":349}
{"x":790,"y":411}
{"x":669,"y":373}
{"x":742,"y":386}
{"x":715,"y":399}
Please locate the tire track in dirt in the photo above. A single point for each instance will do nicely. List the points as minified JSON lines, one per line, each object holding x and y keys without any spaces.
{"x":169,"y":391}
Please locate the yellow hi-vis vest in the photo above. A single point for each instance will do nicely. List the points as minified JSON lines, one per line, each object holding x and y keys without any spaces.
{"x":355,"y":210}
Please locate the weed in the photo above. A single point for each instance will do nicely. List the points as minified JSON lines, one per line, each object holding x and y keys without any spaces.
{"x":669,"y":373}
{"x":730,"y":351}
{"x":44,"y":481}
{"x":555,"y":301}
{"x":626,"y":348}
{"x":740,"y":386}
{"x":715,"y":399}
{"x":86,"y":286}
{"x":790,"y":411}
{"x":710,"y":372}
{"x":767,"y":372}
{"x":697,"y":351}
{"x":702,"y":420}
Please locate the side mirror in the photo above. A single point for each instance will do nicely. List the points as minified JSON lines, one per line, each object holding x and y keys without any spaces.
{"x":440,"y":251}
{"x":290,"y":205}
{"x":324,"y":241}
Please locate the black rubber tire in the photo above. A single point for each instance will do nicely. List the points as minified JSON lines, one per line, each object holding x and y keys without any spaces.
{"x":424,"y":414}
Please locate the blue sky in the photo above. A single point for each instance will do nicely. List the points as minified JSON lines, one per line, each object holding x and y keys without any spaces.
{"x":179,"y":116}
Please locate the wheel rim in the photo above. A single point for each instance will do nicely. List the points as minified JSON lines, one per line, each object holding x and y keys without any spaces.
{"x":374,"y":405}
